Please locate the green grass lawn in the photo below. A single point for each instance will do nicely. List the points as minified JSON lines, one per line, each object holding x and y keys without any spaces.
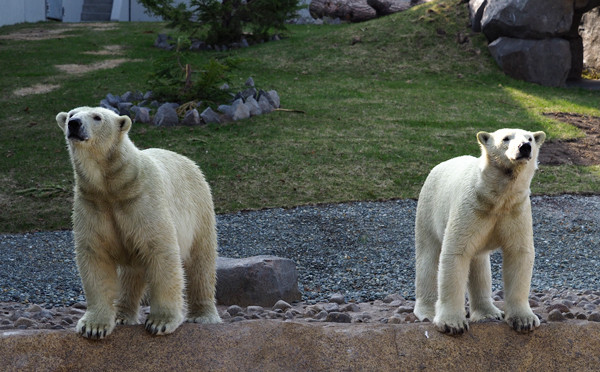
{"x":378,"y":114}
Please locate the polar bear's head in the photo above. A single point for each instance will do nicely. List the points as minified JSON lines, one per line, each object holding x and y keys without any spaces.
{"x":511,"y":148}
{"x":93,"y":127}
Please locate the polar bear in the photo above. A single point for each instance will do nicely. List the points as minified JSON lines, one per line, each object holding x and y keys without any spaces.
{"x":141,"y":218}
{"x":467,"y":208}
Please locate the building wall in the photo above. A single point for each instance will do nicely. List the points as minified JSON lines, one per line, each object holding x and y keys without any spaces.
{"x":19,"y":11}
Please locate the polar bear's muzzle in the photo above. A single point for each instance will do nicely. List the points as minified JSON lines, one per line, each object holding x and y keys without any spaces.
{"x":524,"y":151}
{"x":76,"y":131}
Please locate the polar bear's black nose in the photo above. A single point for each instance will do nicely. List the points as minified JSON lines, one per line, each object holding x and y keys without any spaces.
{"x":525,"y":149}
{"x":74,"y":125}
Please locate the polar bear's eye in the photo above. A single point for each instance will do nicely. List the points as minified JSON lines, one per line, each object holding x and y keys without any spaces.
{"x":506,"y":139}
{"x":530,"y":139}
{"x":97,"y":117}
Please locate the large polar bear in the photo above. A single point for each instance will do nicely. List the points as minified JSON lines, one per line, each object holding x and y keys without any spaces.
{"x":140,"y":219}
{"x":468,"y":207}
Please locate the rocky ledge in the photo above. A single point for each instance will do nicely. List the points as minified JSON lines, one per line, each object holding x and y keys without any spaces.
{"x":268,"y":345}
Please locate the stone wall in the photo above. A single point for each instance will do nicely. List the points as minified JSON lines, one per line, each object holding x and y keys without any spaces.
{"x":537,"y":40}
{"x":590,"y":33}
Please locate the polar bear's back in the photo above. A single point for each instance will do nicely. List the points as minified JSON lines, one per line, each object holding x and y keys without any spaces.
{"x":188,"y":197}
{"x":448,"y":185}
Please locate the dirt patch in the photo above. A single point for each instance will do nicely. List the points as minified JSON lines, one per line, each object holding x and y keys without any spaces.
{"x":107,"y":50}
{"x":580,"y":151}
{"x":33,"y":34}
{"x":36,"y":89}
{"x":76,"y":69}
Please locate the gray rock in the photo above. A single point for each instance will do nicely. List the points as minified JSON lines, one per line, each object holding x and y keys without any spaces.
{"x":253,"y":106}
{"x":350,"y":10}
{"x":404,"y":309}
{"x":555,"y":316}
{"x":594,"y":317}
{"x":166,"y":116}
{"x":558,"y":306}
{"x":34,"y":309}
{"x":126,"y":97}
{"x":250,"y":92}
{"x":476,"y":8}
{"x":386,"y":7}
{"x":24,"y":323}
{"x":351,"y":307}
{"x":258,"y":280}
{"x":192,"y":118}
{"x":331,"y":307}
{"x":225,"y":86}
{"x":124,"y":108}
{"x":148,"y":95}
{"x":163,"y":41}
{"x":113,"y":100}
{"x":526,"y":19}
{"x":249,"y":82}
{"x":225,"y":109}
{"x":273,"y":97}
{"x":393,"y":297}
{"x":235,"y":310}
{"x":337,"y":317}
{"x":239,"y":110}
{"x":244,"y":43}
{"x":104,"y":103}
{"x":254,"y":310}
{"x":281,"y":305}
{"x":321,"y":315}
{"x":209,"y":116}
{"x":338,"y":298}
{"x":590,"y":34}
{"x":546,"y":62}
{"x":263,"y":103}
{"x":142,"y":114}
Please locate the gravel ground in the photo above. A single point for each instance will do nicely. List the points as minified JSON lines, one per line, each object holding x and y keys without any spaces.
{"x":364,"y":250}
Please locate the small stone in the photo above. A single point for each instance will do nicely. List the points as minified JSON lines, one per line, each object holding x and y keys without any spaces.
{"x":393,"y":297}
{"x":289,"y":315}
{"x":225,"y":86}
{"x":410,"y":318}
{"x":265,"y":106}
{"x":252,"y":310}
{"x":239,"y":110}
{"x":142,"y":114}
{"x":533,"y":303}
{"x":192,"y":118}
{"x":148,"y":95}
{"x":166,"y":116}
{"x":395,"y":319}
{"x":124,"y":108}
{"x":126,"y":97}
{"x":362,"y":318}
{"x":225,"y":109}
{"x":209,"y":116}
{"x":404,"y":309}
{"x":555,"y":316}
{"x":250,"y":81}
{"x":244,"y":43}
{"x":569,"y":315}
{"x":253,"y":106}
{"x":321,"y":315}
{"x":113,"y":100}
{"x":24,"y":323}
{"x":558,"y":306}
{"x":80,"y":305}
{"x":234,"y":310}
{"x":337,"y":317}
{"x":331,"y":307}
{"x":395,"y":303}
{"x":594,"y":317}
{"x":273,"y":98}
{"x":581,"y":316}
{"x":338,"y":298}
{"x":34,"y":309}
{"x":250,"y":92}
{"x":351,"y":307}
{"x":281,"y":305}
{"x":237,"y":319}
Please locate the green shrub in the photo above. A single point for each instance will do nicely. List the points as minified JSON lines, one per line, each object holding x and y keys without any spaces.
{"x":226,"y":21}
{"x":174,"y":79}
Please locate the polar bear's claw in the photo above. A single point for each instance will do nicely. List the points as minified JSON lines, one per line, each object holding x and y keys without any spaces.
{"x":524,"y":324}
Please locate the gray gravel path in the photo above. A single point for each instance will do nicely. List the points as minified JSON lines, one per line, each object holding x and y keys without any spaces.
{"x":363,"y":249}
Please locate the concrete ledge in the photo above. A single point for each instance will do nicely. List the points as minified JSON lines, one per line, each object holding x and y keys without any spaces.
{"x":267,"y":345}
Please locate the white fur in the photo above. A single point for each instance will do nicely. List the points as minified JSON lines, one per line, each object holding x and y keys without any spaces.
{"x":141,"y":220}
{"x":467,"y":208}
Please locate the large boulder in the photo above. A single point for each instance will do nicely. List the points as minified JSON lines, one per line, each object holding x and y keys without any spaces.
{"x":527,"y":19}
{"x":546,"y":62}
{"x":590,"y":33}
{"x":385,"y":7}
{"x":347,"y":10}
{"x":258,"y":280}
{"x":476,"y":8}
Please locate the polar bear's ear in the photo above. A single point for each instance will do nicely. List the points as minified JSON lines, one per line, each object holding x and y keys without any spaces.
{"x":61,"y":119}
{"x":124,"y":123}
{"x":483,"y":138}
{"x":539,"y":137}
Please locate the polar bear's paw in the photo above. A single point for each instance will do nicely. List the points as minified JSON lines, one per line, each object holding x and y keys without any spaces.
{"x":451,"y":325}
{"x":162,"y":324}
{"x":128,"y":319}
{"x":491,"y":313}
{"x":523,"y":322}
{"x":212,"y":318}
{"x":94,"y":329}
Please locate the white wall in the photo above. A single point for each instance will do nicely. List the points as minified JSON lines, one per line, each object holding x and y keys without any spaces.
{"x":19,"y":11}
{"x":120,"y":11}
{"x":72,"y":10}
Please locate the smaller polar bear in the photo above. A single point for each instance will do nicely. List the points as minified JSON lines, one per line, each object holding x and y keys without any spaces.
{"x":467,"y":208}
{"x":140,"y":219}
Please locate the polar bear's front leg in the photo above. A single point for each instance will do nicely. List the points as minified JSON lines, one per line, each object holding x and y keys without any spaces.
{"x":517,"y":269}
{"x":166,"y":284}
{"x":480,"y":290}
{"x":99,"y":279}
{"x":450,"y":314}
